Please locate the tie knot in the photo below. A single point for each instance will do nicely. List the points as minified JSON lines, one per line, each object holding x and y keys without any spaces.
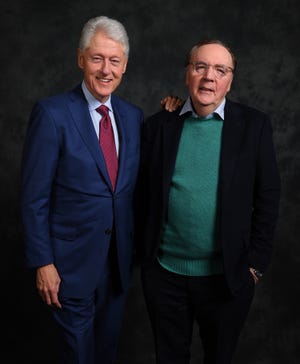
{"x":103,"y":110}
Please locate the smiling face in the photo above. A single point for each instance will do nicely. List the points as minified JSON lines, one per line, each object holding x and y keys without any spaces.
{"x":103,"y":63}
{"x":206,"y":90}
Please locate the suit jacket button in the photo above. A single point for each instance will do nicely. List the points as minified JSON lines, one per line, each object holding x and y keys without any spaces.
{"x":107,"y":231}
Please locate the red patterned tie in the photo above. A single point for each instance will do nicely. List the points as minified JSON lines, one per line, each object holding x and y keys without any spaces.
{"x":107,"y":143}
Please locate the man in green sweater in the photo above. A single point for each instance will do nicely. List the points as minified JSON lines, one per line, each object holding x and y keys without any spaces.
{"x":208,"y":196}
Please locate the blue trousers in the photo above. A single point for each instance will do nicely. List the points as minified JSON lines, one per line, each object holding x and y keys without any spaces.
{"x":89,"y":327}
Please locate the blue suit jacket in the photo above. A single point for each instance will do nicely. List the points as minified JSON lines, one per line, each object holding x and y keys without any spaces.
{"x":249,"y":188}
{"x":67,"y":203}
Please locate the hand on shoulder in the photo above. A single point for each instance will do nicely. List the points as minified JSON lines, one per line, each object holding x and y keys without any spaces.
{"x":170,"y":103}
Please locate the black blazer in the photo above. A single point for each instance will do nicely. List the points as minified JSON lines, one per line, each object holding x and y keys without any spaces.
{"x":249,"y":188}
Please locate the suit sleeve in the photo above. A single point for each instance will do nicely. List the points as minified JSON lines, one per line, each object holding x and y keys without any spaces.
{"x":39,"y":161}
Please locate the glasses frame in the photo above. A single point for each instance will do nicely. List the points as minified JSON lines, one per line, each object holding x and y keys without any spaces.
{"x":217,"y":68}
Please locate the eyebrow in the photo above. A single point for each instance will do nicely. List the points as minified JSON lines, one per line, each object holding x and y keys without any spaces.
{"x":215,"y":65}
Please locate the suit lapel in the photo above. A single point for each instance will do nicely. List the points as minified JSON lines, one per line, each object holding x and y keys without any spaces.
{"x":121,"y":120}
{"x":80,"y":113}
{"x":232,"y":136}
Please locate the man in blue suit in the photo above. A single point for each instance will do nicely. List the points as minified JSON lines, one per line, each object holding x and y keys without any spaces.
{"x":208,"y":201}
{"x":78,"y":226}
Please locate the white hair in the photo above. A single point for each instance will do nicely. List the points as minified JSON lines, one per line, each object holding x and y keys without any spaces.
{"x":111,"y":27}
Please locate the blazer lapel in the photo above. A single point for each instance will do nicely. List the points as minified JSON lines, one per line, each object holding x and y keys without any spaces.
{"x":171,"y":136}
{"x":121,"y":121}
{"x":80,"y":113}
{"x":232,"y":136}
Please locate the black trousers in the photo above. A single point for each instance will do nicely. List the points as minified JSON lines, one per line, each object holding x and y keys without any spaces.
{"x":174,"y":302}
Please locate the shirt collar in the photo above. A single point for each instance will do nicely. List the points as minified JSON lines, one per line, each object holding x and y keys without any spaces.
{"x":92,"y":101}
{"x":188,"y":107}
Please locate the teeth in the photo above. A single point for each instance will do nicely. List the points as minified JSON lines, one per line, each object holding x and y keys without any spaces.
{"x":103,"y":79}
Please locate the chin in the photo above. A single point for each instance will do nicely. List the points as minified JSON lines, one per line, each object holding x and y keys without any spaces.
{"x":103,"y":93}
{"x":205,"y":102}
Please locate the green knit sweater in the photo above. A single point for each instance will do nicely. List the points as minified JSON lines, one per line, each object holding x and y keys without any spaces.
{"x":189,"y":245}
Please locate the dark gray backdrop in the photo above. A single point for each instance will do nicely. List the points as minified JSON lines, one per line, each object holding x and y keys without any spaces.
{"x":38,"y":58}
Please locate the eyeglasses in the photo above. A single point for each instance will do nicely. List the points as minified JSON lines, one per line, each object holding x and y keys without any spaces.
{"x":220,"y":70}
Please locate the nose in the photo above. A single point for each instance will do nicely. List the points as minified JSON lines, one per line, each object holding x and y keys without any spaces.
{"x":105,"y":66}
{"x":209,"y":73}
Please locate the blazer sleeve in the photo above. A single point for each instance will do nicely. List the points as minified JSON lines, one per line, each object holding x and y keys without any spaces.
{"x":39,"y":161}
{"x":266,"y":200}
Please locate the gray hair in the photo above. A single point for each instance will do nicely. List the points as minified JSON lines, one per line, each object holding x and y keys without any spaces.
{"x":211,"y":41}
{"x":111,"y":27}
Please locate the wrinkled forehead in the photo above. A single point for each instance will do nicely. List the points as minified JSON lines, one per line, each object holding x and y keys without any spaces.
{"x":212,"y":54}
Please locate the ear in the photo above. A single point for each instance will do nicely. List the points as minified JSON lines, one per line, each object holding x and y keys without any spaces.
{"x":125,"y":66}
{"x":80,"y":60}
{"x":186,"y":78}
{"x":229,"y":85}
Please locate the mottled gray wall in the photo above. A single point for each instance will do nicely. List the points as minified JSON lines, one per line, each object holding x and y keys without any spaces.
{"x":38,"y":58}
